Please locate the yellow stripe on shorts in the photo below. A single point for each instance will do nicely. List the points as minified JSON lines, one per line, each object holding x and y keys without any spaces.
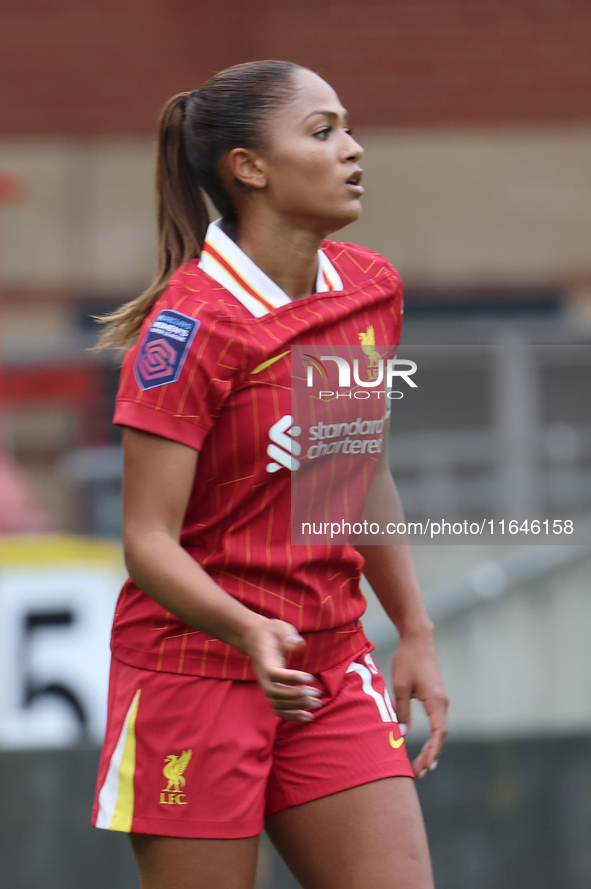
{"x":123,"y":814}
{"x":116,"y":798}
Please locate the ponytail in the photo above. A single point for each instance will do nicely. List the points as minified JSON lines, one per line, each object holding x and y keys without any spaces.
{"x":182,"y":225}
{"x":196,"y":131}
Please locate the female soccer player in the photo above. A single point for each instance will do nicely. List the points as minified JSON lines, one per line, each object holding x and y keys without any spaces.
{"x":242,"y":686}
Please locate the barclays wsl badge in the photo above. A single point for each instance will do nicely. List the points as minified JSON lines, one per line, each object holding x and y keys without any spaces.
{"x":165,"y":348}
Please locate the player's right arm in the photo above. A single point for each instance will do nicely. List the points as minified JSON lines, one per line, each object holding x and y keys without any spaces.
{"x":157,"y":481}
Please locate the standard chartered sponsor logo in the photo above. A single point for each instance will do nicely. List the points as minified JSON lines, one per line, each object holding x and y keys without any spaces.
{"x":283,"y":449}
{"x":343,"y":442}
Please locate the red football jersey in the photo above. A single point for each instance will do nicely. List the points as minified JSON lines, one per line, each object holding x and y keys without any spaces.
{"x":211,"y":369}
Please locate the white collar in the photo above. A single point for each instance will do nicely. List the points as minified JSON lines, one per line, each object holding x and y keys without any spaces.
{"x":226,"y":263}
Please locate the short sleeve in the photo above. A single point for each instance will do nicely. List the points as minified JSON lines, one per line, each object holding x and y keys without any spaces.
{"x":176,"y":378}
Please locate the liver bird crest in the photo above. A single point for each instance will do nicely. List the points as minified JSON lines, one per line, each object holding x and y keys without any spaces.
{"x":174,"y":768}
{"x":368,"y":341}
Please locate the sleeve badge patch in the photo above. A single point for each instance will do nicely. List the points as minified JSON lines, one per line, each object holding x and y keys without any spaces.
{"x":164,"y":350}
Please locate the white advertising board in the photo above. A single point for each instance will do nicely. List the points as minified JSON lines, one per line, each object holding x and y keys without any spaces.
{"x":57,"y":597}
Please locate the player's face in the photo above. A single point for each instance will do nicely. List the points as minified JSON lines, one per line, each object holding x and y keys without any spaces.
{"x":311,"y":165}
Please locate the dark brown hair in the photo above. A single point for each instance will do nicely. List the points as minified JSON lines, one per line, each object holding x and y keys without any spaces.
{"x":196,"y":130}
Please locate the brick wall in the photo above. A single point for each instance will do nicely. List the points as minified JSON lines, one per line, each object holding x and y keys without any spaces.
{"x":105,"y":67}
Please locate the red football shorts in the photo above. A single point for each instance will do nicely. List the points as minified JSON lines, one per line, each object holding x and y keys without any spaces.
{"x":186,"y":756}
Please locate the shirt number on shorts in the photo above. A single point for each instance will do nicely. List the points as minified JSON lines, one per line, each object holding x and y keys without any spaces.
{"x":383,"y":701}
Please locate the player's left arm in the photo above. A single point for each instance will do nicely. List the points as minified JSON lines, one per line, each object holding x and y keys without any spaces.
{"x":391,"y":574}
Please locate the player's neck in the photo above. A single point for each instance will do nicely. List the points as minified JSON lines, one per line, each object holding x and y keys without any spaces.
{"x":288,"y":255}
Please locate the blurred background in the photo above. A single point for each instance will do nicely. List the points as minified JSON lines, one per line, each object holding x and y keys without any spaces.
{"x":476,"y":123}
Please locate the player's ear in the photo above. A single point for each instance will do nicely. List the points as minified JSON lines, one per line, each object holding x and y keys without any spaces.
{"x":247,"y":168}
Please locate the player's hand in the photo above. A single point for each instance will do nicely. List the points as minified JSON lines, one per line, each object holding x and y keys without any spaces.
{"x":288,"y":691}
{"x":415,"y":674}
